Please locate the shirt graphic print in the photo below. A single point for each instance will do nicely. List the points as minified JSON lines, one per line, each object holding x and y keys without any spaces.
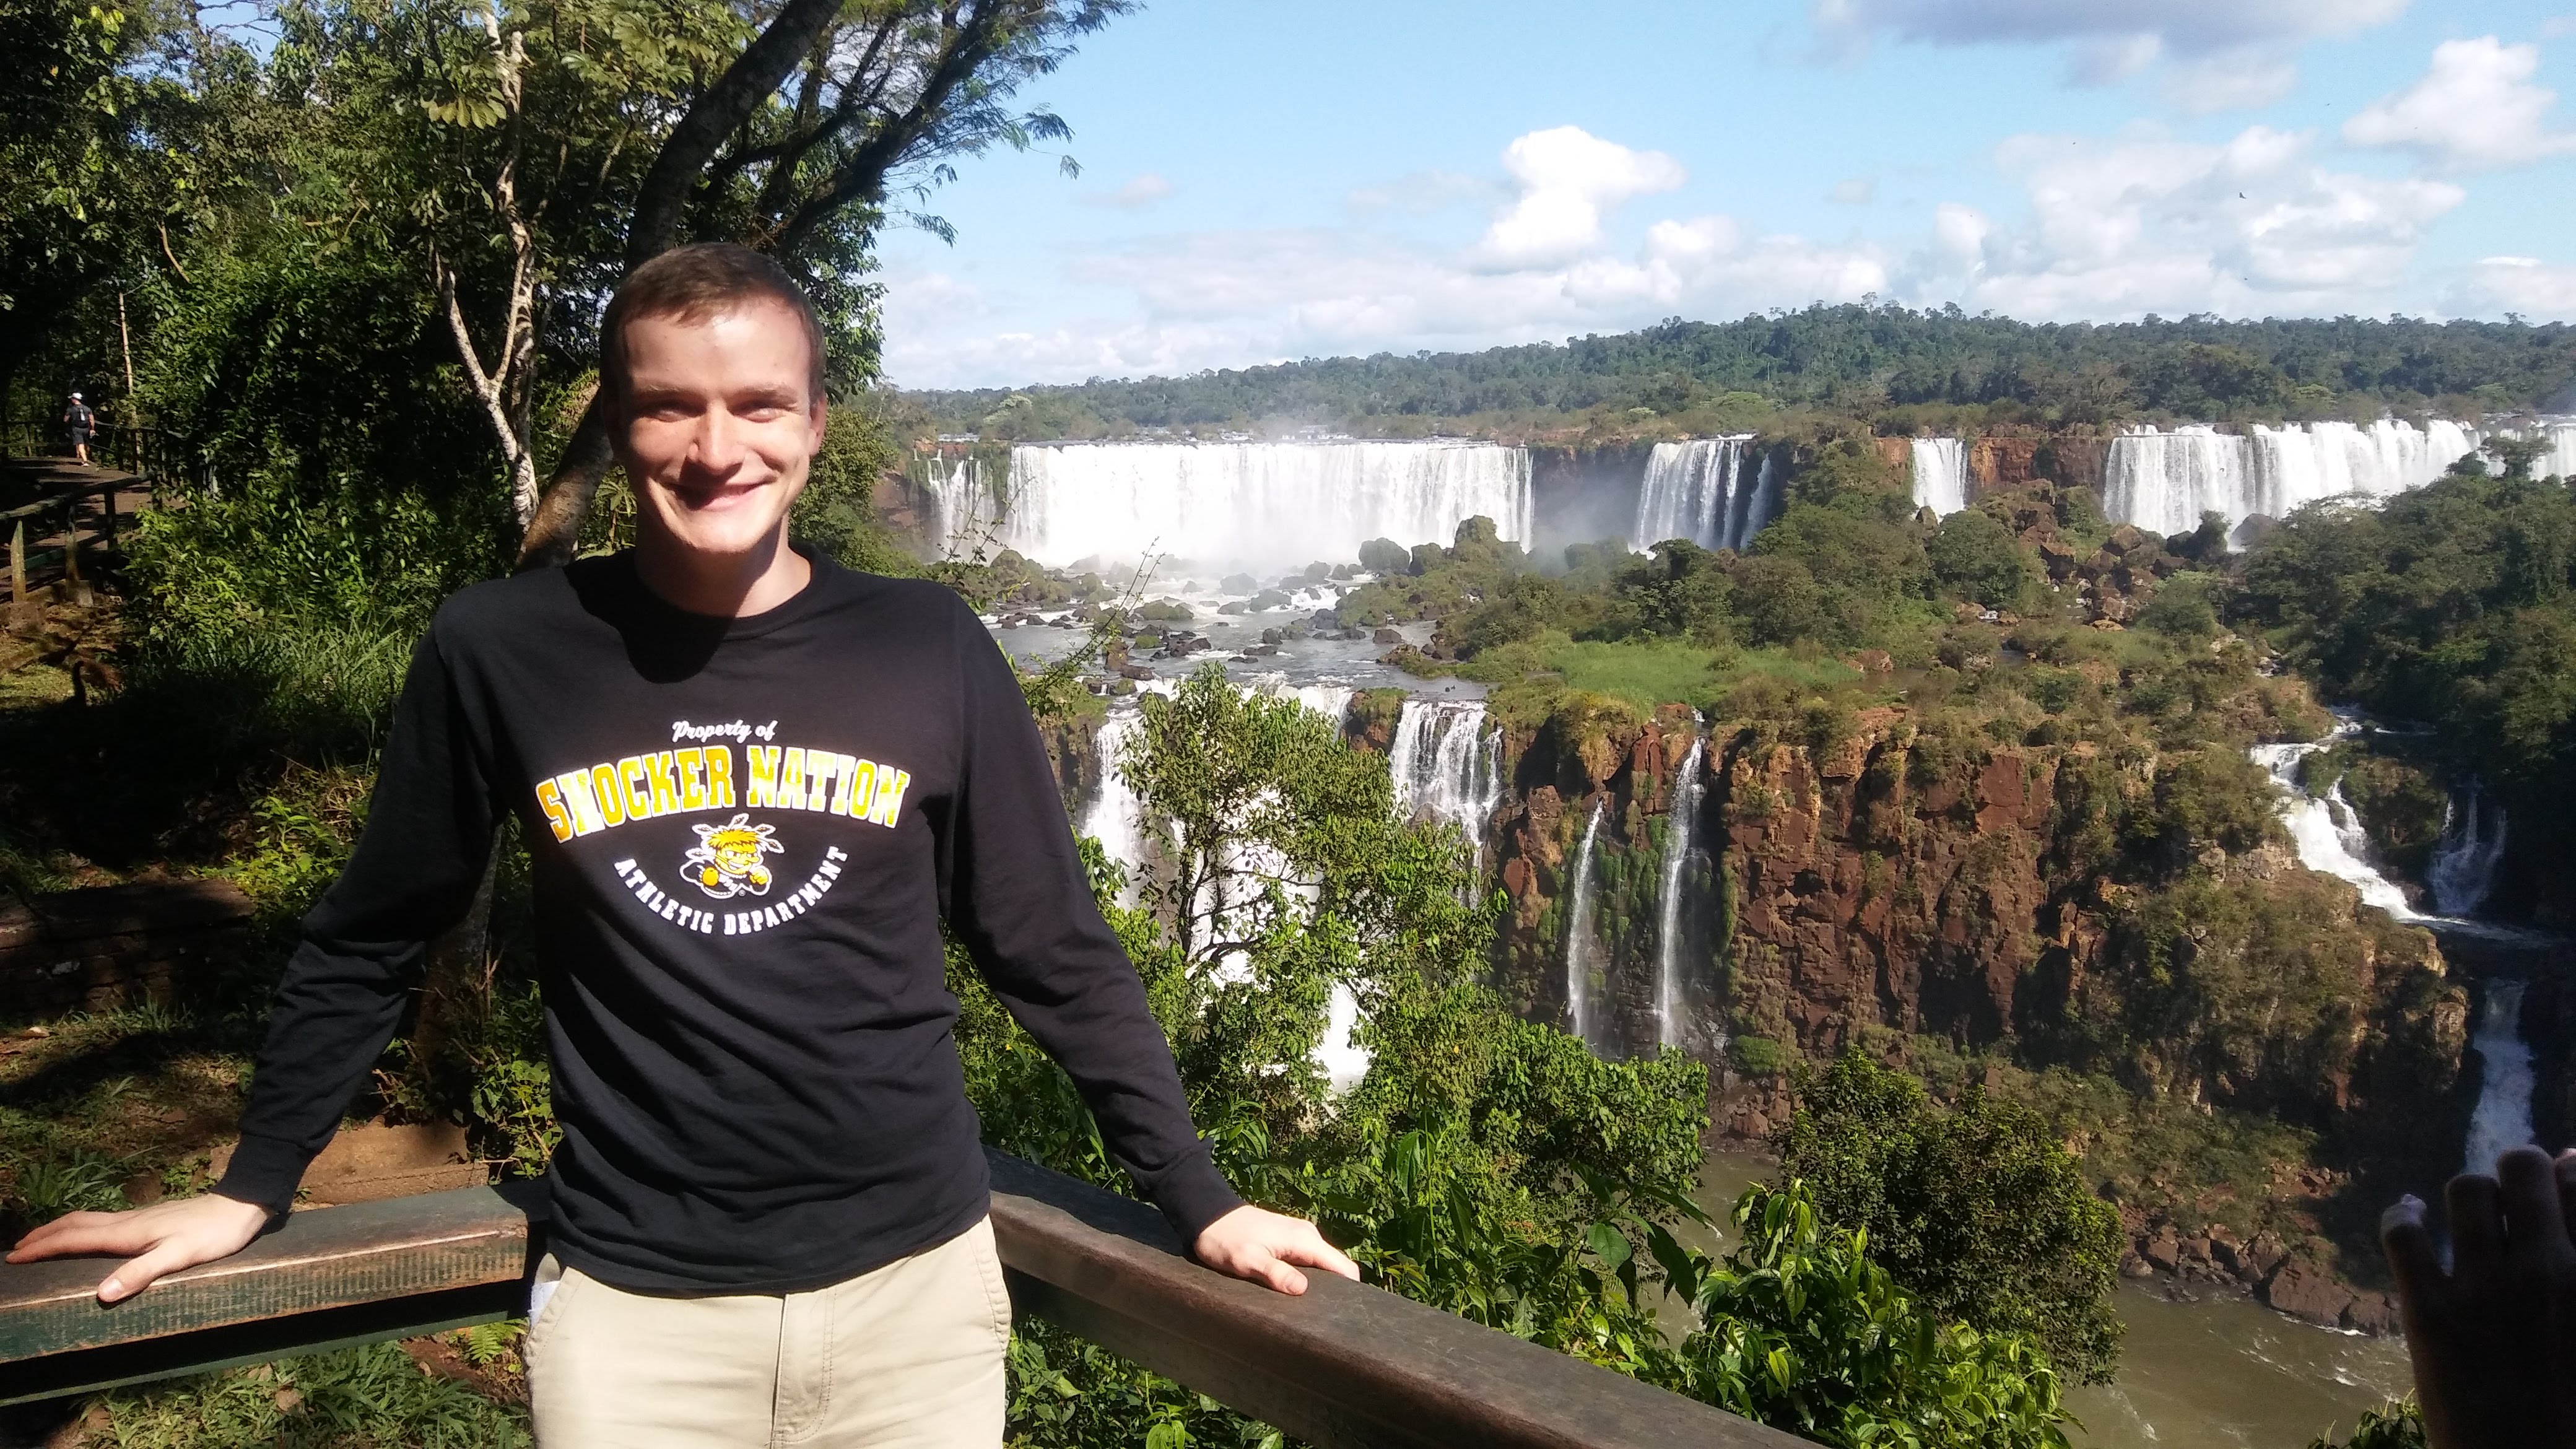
{"x":725,"y":858}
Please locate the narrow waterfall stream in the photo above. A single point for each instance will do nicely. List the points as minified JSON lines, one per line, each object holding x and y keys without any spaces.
{"x":2460,"y":879}
{"x":1582,"y":950}
{"x":1940,"y":475}
{"x":1701,"y":491}
{"x":2328,"y":835}
{"x":1668,"y":926}
{"x":2503,"y":1117}
{"x":1447,"y":765}
{"x":2463,"y":870}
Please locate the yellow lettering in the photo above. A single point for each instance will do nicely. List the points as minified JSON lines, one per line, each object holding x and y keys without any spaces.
{"x":693,"y":778}
{"x":611,"y":795}
{"x":763,"y":760}
{"x":719,"y":777}
{"x":666,"y":789}
{"x":551,"y":802}
{"x":575,"y":785}
{"x":887,"y":807}
{"x":791,"y":780}
{"x":847,"y":767}
{"x":631,"y":773}
{"x":858,"y":783}
{"x":820,"y":768}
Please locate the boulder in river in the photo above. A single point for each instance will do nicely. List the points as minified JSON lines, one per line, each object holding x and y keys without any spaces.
{"x":2304,"y":1290}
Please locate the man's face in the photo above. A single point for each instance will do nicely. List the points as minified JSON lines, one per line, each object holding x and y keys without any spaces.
{"x":719,"y":428}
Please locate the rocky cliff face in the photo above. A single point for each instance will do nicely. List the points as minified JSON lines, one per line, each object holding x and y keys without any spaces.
{"x":2002,"y":462}
{"x":1854,"y":885}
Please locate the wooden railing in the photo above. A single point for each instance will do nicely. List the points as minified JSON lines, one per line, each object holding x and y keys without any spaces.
{"x":27,"y":525}
{"x":1344,"y":1365}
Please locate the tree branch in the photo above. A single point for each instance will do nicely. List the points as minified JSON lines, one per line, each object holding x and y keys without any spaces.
{"x":755,"y":74}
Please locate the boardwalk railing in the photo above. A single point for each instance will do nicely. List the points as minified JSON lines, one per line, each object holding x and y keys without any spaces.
{"x":1343,"y":1366}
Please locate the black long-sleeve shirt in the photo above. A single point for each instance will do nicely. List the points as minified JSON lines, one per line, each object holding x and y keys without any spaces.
{"x":744,"y":834}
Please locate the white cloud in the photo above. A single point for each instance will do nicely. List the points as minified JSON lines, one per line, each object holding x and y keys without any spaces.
{"x":2238,"y":79}
{"x":2518,"y":284}
{"x":2106,"y":228}
{"x":2218,"y":54}
{"x":2474,"y":110}
{"x":1543,"y":269}
{"x":2145,"y":224}
{"x":1853,"y":191}
{"x":1142,"y":191}
{"x":1568,"y":177}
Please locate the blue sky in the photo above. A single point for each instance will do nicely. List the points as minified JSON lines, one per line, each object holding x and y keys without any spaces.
{"x":1327,"y":178}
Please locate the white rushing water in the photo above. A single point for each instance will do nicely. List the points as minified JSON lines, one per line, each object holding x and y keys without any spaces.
{"x":2560,"y":435}
{"x":2503,"y":1117}
{"x":1705,"y":491}
{"x":966,"y":505}
{"x":1582,"y":951}
{"x":1940,"y":475}
{"x":1447,"y":764}
{"x":1677,"y":849}
{"x":2462,"y":873}
{"x":1258,"y":505}
{"x":2328,"y":835}
{"x":2163,"y":481}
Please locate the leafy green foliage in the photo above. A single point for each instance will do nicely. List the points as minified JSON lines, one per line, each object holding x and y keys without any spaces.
{"x":1801,"y":1329}
{"x":2453,"y":605}
{"x":1934,"y":370}
{"x":1974,"y":557}
{"x":1484,"y":1164}
{"x":1977,"y":1209}
{"x":2398,"y":1425}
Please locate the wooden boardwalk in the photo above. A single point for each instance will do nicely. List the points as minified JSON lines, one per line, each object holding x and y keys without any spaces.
{"x":38,"y":534}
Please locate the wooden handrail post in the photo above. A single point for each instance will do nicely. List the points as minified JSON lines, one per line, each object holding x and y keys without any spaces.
{"x":71,"y":541}
{"x":18,"y":562}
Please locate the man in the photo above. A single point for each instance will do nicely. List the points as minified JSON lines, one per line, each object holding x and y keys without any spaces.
{"x":82,"y":423}
{"x":753,"y":783}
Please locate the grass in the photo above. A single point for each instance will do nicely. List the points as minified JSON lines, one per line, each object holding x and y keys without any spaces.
{"x":1643,"y":673}
{"x":362,"y":1398}
{"x":97,"y":1108}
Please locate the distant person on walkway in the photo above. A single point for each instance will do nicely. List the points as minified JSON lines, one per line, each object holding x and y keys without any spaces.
{"x":2493,"y":1338}
{"x":82,"y":423}
{"x":755,"y":785}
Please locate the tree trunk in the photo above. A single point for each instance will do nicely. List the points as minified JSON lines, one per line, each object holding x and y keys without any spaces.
{"x":556,"y":530}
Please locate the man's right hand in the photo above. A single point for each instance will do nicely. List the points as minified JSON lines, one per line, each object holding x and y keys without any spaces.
{"x":159,"y":1240}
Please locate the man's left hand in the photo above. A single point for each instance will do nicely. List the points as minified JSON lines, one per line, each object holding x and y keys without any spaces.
{"x":1254,"y":1243}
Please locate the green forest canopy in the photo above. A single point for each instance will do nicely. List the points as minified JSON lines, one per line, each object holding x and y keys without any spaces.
{"x":1889,"y":363}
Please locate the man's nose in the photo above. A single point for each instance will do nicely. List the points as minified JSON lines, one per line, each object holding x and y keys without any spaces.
{"x":718,"y":447}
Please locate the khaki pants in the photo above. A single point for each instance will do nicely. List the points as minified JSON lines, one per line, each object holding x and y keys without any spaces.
{"x":909,"y":1355}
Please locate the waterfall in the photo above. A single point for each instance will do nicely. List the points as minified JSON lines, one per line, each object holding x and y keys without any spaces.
{"x":1677,"y":850}
{"x":1698,"y":491}
{"x":2560,"y":460}
{"x":965,"y":504}
{"x":2462,"y":872}
{"x":1940,"y":475}
{"x":1582,"y":952}
{"x":2164,"y":481}
{"x":2328,"y":835}
{"x":1447,"y":765}
{"x":2503,"y":1117}
{"x":1272,"y":505}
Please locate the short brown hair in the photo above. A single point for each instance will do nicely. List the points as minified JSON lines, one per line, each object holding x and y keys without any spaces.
{"x":693,"y":283}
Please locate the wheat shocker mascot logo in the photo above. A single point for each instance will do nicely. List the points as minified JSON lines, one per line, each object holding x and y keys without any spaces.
{"x":726,"y":860}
